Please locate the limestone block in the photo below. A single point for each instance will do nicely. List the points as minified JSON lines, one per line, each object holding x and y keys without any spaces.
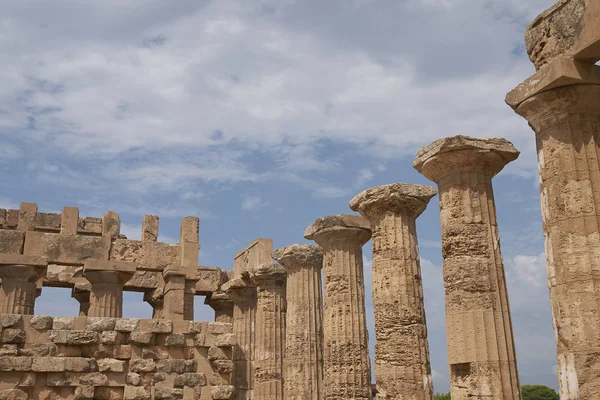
{"x":15,"y":363}
{"x":155,"y":353}
{"x":12,"y":219}
{"x":145,"y":280}
{"x":10,"y":335}
{"x":59,"y":336}
{"x":10,"y":320}
{"x":167,"y":393}
{"x":93,"y":379}
{"x":149,"y":255}
{"x":217,"y":328}
{"x":100,"y":324}
{"x":215,"y":353}
{"x":197,"y":326}
{"x":27,"y":379}
{"x":175,"y":340}
{"x":9,"y":350}
{"x":27,"y":214}
{"x":150,"y":228}
{"x":258,"y":252}
{"x":190,"y":230}
{"x":133,"y":379}
{"x":200,"y":340}
{"x":161,"y":326}
{"x":38,"y":350}
{"x":47,"y":222}
{"x":108,"y":393}
{"x":190,"y":380}
{"x":12,"y":242}
{"x":171,"y":366}
{"x":48,"y":364}
{"x":140,"y":337}
{"x":67,"y":249}
{"x":223,"y":392}
{"x":90,"y":225}
{"x":82,"y":337}
{"x":63,"y":275}
{"x":41,"y":322}
{"x":141,"y":365}
{"x":122,"y":352}
{"x":62,"y":379}
{"x":225,"y":340}
{"x":111,"y":365}
{"x":69,"y":221}
{"x":3,"y":218}
{"x":108,"y":337}
{"x":223,"y":366}
{"x":84,"y":393}
{"x":13,"y":394}
{"x":111,"y":225}
{"x":127,"y":324}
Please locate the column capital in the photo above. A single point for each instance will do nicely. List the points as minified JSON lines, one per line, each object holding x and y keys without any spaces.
{"x":299,"y":256}
{"x":103,"y":271}
{"x":22,"y":268}
{"x":268,"y":274}
{"x":454,"y":154}
{"x":398,"y":198}
{"x":218,"y":300}
{"x":339,"y":227}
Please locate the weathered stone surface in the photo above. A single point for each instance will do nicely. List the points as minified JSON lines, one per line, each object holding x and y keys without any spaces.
{"x":10,"y":320}
{"x":140,"y":337}
{"x":41,"y":322}
{"x":127,"y":324}
{"x":175,"y":340}
{"x":15,"y":363}
{"x":100,"y":324}
{"x":13,"y":394}
{"x":12,"y":242}
{"x":304,"y":321}
{"x":62,"y":323}
{"x":347,"y":369}
{"x":140,"y":365}
{"x":148,"y":255}
{"x":74,"y":249}
{"x":136,"y":393}
{"x":10,"y":335}
{"x":481,"y":349}
{"x":190,"y":380}
{"x":222,"y":392}
{"x":401,"y":349}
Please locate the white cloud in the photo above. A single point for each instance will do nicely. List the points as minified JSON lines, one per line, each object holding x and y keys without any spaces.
{"x":251,"y":203}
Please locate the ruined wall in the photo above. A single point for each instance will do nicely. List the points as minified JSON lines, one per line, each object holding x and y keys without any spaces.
{"x":113,"y":358}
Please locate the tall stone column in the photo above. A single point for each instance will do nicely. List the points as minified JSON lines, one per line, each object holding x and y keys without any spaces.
{"x":303,"y":378}
{"x":222,"y":303}
{"x":561,"y":102}
{"x":107,"y":279}
{"x":347,"y":367}
{"x":481,"y":349}
{"x":243,"y":295}
{"x":18,"y":289}
{"x":402,"y":368}
{"x":270,"y":330}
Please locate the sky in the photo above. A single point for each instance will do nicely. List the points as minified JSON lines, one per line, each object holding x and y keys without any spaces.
{"x":260,"y":117}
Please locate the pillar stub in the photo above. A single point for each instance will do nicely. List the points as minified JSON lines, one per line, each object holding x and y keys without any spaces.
{"x":219,"y":300}
{"x":458,"y":154}
{"x":268,"y":274}
{"x":298,"y":256}
{"x":398,"y":198}
{"x":339,"y":227}
{"x":100,"y":270}
{"x":81,"y":292}
{"x":19,"y":275}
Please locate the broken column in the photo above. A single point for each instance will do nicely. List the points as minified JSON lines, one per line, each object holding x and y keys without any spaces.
{"x":243,"y":295}
{"x":270,"y":330}
{"x":81,"y":292}
{"x":222,"y":303}
{"x":402,"y":368}
{"x":481,"y":350}
{"x":107,"y":279}
{"x":561,"y":102}
{"x":347,"y":369}
{"x":18,"y":277}
{"x":304,"y":321}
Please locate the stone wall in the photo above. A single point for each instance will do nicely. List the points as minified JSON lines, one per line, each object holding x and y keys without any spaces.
{"x":113,"y":358}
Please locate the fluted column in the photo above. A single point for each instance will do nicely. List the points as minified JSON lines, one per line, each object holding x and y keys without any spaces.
{"x":566,"y":121}
{"x":270,"y":330}
{"x":402,"y":368}
{"x":107,"y":279}
{"x":222,"y":303}
{"x":481,"y":349}
{"x":347,"y":367}
{"x":18,"y":277}
{"x":243,"y":295}
{"x":303,"y":378}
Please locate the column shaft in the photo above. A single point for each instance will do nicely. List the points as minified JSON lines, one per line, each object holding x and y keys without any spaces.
{"x":18,"y":288}
{"x":481,"y":351}
{"x":567,"y":125}
{"x":270,"y":341}
{"x":347,"y":366}
{"x":106,"y":300}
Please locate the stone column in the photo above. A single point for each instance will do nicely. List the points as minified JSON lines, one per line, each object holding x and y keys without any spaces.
{"x":156,"y":300}
{"x":222,"y":303}
{"x":179,"y":292}
{"x":561,"y":102}
{"x":481,"y":351}
{"x":81,"y":292}
{"x":303,"y":377}
{"x":269,"y":346}
{"x":107,"y":279}
{"x":402,"y":368}
{"x":243,"y":295}
{"x":18,"y":277}
{"x":347,"y":367}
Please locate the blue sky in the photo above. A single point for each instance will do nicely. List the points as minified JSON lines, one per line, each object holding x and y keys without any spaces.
{"x":261,"y":116}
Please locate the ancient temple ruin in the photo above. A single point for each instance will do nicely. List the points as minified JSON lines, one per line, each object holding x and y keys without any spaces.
{"x":276,"y":333}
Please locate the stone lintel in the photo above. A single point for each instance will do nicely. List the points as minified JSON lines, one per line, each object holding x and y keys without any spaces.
{"x":463,"y":153}
{"x":339,"y":226}
{"x":109,"y":265}
{"x":400,"y":198}
{"x":19,"y":259}
{"x":299,"y":255}
{"x":257,"y":252}
{"x":559,"y":73}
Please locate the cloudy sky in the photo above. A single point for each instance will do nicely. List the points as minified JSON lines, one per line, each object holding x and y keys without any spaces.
{"x":261,"y":116}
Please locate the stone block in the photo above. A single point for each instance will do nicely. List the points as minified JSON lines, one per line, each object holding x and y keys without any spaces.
{"x":135,"y":393}
{"x":223,"y":366}
{"x":41,"y":322}
{"x":108,"y":337}
{"x":108,"y":393}
{"x":74,"y":249}
{"x":100,"y":324}
{"x":161,"y":326}
{"x":141,"y":365}
{"x":38,"y":350}
{"x":48,"y":364}
{"x":167,"y":393}
{"x":140,"y":338}
{"x":191,"y":365}
{"x":148,"y":255}
{"x":82,"y":337}
{"x":59,"y":336}
{"x":111,"y":365}
{"x":150,"y":228}
{"x":15,"y":363}
{"x":9,"y":350}
{"x":27,"y":214}
{"x":143,"y":279}
{"x":200,"y":340}
{"x":90,"y":225}
{"x":190,"y":380}
{"x":155,"y":353}
{"x":93,"y":379}
{"x":69,"y":221}
{"x":111,"y":225}
{"x":12,"y":242}
{"x":133,"y":379}
{"x":10,"y":335}
{"x":175,"y":340}
{"x":215,"y":353}
{"x":28,"y":379}
{"x":48,"y":222}
{"x":65,"y":275}
{"x":62,"y":379}
{"x":13,"y":394}
{"x":80,"y":364}
{"x":84,"y":393}
{"x":127,"y":325}
{"x":10,"y":320}
{"x":62,"y":323}
{"x":122,"y":352}
{"x":209,"y":280}
{"x":12,"y":219}
{"x":225,"y":340}
{"x":171,"y":366}
{"x":217,"y":328}
{"x":223,"y":392}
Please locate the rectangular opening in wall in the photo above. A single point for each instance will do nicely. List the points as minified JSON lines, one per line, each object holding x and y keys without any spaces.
{"x":134,"y":306}
{"x":56,"y":302}
{"x":202,"y":312}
